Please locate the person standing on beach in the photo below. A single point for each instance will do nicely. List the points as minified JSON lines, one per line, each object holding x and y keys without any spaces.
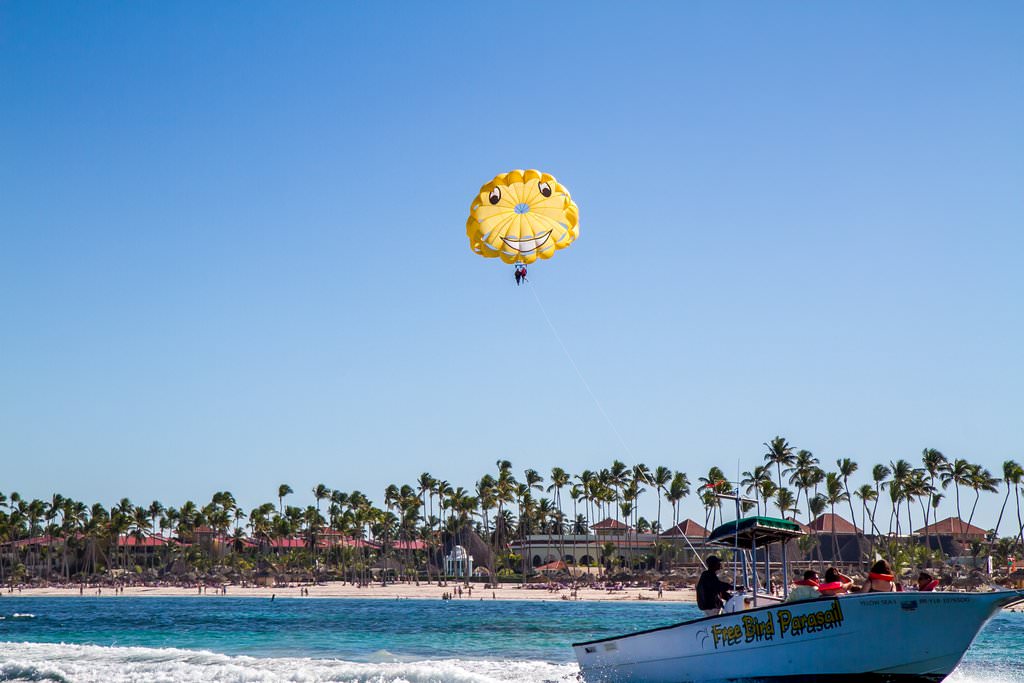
{"x":712,"y":592}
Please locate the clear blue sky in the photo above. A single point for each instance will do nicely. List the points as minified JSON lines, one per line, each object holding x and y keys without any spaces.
{"x":233,"y":254}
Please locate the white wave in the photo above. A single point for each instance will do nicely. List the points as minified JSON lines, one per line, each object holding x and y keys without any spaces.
{"x":19,"y":615}
{"x":93,"y":663}
{"x":62,"y":663}
{"x":972,"y":673}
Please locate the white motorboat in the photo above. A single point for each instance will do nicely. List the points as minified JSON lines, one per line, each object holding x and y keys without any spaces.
{"x":907,"y":636}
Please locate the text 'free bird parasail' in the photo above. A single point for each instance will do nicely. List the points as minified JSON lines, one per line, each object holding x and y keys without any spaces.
{"x":522,"y":216}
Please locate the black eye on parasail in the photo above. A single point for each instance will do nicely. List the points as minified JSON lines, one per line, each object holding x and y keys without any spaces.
{"x":545,"y":189}
{"x":495,"y":195}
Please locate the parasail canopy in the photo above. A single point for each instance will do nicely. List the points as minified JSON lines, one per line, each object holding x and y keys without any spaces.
{"x":521,"y":216}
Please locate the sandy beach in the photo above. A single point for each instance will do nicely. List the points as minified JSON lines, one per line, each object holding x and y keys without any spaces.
{"x":399,"y":591}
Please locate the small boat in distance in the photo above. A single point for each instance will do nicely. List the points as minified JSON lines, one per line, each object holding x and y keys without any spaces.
{"x":887,"y":637}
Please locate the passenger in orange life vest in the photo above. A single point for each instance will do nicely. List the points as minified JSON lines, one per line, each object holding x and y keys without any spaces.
{"x":926,"y":583}
{"x":806,"y":589}
{"x":836,"y":583}
{"x":880,"y":579}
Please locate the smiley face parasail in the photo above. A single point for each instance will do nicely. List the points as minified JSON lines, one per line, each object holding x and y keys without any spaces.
{"x":522,"y":216}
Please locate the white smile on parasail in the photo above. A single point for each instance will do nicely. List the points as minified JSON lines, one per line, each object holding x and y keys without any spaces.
{"x":527,"y":244}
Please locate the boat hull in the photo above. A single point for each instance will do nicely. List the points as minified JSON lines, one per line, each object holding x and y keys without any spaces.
{"x":871,"y":637}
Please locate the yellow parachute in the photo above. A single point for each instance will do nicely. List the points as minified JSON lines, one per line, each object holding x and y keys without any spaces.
{"x":521,"y":216}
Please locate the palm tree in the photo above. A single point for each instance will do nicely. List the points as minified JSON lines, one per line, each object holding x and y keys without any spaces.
{"x":641,"y":475}
{"x":617,"y":475}
{"x":486,"y":494}
{"x":155,"y":510}
{"x":933,"y":461}
{"x":626,"y":506}
{"x":711,"y":485}
{"x":981,"y":480}
{"x":319,"y":493}
{"x":920,"y":488}
{"x":76,"y":515}
{"x":53,"y":509}
{"x":122,"y":516}
{"x":879,"y":474}
{"x":846,"y":469}
{"x":957,"y":473}
{"x":36,"y":511}
{"x":1020,"y":523}
{"x":754,"y":482}
{"x":425,"y":488}
{"x":805,"y":475}
{"x":661,"y":478}
{"x":835,"y":492}
{"x":779,"y":453}
{"x":559,"y":480}
{"x":678,"y":489}
{"x":784,"y":500}
{"x":282,"y":491}
{"x":576,"y":493}
{"x":815,"y":507}
{"x":95,"y":530}
{"x":902,"y":471}
{"x":766,"y":492}
{"x":505,"y":494}
{"x":1012,"y":475}
{"x":444,"y":491}
{"x":866,"y":494}
{"x":586,"y":494}
{"x":534,"y":481}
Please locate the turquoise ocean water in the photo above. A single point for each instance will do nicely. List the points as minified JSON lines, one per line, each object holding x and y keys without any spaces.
{"x":229,"y":639}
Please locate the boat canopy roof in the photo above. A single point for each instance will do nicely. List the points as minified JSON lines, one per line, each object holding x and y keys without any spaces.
{"x":762,"y":530}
